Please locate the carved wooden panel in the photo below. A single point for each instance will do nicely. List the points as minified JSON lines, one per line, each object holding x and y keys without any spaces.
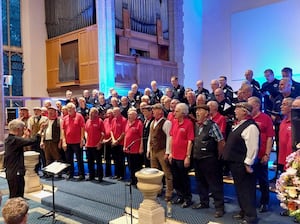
{"x":88,"y":56}
{"x":52,"y":51}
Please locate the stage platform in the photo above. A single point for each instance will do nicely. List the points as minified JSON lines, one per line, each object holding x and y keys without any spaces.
{"x":93,"y":202}
{"x":106,"y":201}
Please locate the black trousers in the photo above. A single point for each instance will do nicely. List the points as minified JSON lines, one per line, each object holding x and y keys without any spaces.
{"x":181,"y":180}
{"x":94,"y":154}
{"x":108,"y":157}
{"x":134,"y":164}
{"x":42,"y":158}
{"x":16,"y":186}
{"x":245,"y":186}
{"x":71,"y":149}
{"x":261,"y":172}
{"x":208,"y":173}
{"x":119,"y":160}
{"x":146,"y":161}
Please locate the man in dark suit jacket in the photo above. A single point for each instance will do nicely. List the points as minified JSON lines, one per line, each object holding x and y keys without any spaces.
{"x":14,"y":157}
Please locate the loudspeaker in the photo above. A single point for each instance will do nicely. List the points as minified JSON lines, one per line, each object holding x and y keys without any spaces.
{"x":11,"y":113}
{"x":295,"y":126}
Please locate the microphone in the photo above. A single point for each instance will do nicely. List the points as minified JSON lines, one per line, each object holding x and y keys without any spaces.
{"x":128,"y":148}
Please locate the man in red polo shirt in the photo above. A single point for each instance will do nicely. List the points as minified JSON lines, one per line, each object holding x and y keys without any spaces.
{"x":182,"y":135}
{"x":94,"y":130}
{"x":107,"y":141}
{"x":218,"y":118}
{"x":267,"y":133}
{"x":285,"y":132}
{"x":117,"y":141}
{"x":73,"y":139}
{"x":133,"y":145}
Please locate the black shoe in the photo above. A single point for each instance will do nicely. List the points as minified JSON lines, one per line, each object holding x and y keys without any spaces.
{"x":80,"y":178}
{"x":100,"y":180}
{"x":263,"y":208}
{"x":284,"y":213}
{"x":239,"y":216}
{"x":200,"y":206}
{"x":120,"y":178}
{"x":186,"y":204}
{"x":177,"y":200}
{"x":244,"y":221}
{"x":219,"y":214}
{"x":69,"y":177}
{"x":89,"y":179}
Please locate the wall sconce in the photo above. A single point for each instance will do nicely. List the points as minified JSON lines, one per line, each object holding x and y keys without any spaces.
{"x":7,"y":80}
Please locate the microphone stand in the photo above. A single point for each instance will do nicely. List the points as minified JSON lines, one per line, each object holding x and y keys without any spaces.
{"x":129,"y":184}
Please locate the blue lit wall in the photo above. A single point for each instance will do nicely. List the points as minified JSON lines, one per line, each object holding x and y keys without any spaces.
{"x":106,"y":41}
{"x":192,"y":41}
{"x":266,"y":37}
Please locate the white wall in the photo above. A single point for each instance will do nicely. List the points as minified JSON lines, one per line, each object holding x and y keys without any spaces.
{"x":210,"y":53}
{"x":34,"y":48}
{"x":266,"y":37}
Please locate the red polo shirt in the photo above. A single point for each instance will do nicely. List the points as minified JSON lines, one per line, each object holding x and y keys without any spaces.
{"x":171,"y":116}
{"x":181,"y":134}
{"x":220,"y":120}
{"x":285,"y":141}
{"x":72,"y":127}
{"x":265,"y":125}
{"x":107,"y":126}
{"x":118,"y":127}
{"x":95,"y":130}
{"x":133,"y":136}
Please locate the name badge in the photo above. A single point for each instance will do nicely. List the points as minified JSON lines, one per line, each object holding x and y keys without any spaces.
{"x":203,"y":149}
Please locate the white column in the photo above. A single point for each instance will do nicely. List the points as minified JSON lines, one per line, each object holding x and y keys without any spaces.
{"x":34,"y":35}
{"x":106,"y":44}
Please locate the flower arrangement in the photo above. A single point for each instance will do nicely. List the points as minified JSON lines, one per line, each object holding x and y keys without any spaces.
{"x":288,"y":186}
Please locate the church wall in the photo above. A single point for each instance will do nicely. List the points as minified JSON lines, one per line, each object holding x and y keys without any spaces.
{"x":33,"y":43}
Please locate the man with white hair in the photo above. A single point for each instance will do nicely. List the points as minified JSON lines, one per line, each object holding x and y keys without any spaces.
{"x":133,"y":144}
{"x":285,"y":89}
{"x":137,"y":94}
{"x":182,"y":136}
{"x":267,"y":133}
{"x":73,"y":140}
{"x":200,"y":89}
{"x":295,"y":122}
{"x":253,"y":83}
{"x":214,"y":84}
{"x":156,"y":93}
{"x":94,"y":98}
{"x":14,"y":156}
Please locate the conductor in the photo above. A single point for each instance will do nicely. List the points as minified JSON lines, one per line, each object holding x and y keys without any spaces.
{"x":14,"y":157}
